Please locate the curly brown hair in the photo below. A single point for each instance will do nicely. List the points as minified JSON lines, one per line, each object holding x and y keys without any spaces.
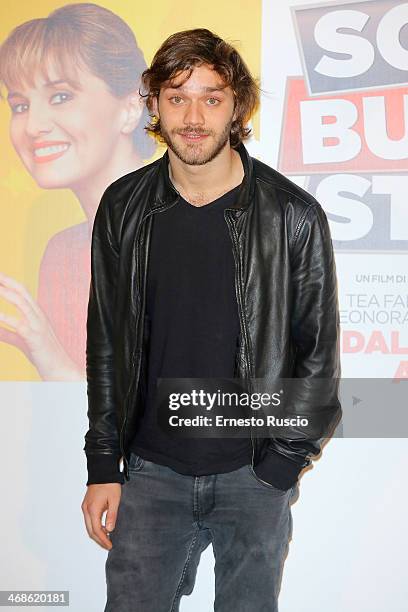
{"x":190,"y":48}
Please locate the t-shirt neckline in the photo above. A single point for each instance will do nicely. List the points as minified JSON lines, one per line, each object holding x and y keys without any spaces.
{"x":213,"y":202}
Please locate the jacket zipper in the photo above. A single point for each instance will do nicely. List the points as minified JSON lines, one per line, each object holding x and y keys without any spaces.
{"x":138,"y":272}
{"x":122,"y":449}
{"x":234,"y":236}
{"x":239,"y":292}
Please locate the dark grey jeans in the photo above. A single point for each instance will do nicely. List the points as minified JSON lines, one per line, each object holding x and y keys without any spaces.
{"x":165,"y":520}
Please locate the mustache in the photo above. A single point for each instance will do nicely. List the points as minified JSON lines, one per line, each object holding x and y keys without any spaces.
{"x":192,"y":131}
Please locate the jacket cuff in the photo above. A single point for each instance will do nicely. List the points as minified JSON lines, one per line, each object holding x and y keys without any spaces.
{"x":278,"y":470}
{"x":103,"y":469}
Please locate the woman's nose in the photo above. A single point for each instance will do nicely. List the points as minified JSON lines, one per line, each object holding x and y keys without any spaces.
{"x":38,"y":120}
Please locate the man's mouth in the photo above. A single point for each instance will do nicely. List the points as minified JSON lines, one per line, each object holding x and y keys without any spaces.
{"x":193,"y":137}
{"x":47,"y":151}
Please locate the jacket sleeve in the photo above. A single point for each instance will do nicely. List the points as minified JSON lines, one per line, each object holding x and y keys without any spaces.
{"x":315,"y":334}
{"x":102,"y":438}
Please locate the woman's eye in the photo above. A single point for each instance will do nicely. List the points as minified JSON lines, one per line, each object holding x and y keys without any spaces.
{"x":17,"y":108}
{"x":213,"y":101}
{"x":61,"y":96}
{"x":176,"y":99}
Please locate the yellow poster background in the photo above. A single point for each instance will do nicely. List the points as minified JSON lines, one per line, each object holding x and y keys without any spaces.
{"x":30,"y":215}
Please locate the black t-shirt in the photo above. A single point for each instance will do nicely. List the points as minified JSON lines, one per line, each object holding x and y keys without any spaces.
{"x":194,"y":326}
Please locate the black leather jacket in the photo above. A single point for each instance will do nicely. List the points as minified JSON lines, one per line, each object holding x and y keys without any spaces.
{"x":286,"y":291}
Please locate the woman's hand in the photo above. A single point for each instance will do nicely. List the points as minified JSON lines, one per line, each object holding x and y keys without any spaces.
{"x":33,"y":334}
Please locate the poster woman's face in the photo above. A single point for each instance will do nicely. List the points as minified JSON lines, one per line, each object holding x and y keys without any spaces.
{"x":64,"y":135}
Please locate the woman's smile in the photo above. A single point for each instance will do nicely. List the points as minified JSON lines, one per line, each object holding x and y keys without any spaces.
{"x":49,"y":150}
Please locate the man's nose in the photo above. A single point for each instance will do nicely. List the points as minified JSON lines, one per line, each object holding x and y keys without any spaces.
{"x":193,"y":114}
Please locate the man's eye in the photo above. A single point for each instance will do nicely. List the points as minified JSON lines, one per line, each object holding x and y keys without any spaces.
{"x":17,"y":109}
{"x":63,"y":97}
{"x":176,"y":99}
{"x":213,"y":101}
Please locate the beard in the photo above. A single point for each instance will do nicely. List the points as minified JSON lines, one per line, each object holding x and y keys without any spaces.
{"x":196,"y":154}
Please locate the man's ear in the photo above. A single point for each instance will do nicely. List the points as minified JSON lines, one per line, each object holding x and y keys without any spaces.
{"x":133,"y":110}
{"x":155,"y":107}
{"x":234,"y":116}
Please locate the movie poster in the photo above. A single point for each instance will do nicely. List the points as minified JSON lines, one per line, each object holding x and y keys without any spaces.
{"x":333,"y":118}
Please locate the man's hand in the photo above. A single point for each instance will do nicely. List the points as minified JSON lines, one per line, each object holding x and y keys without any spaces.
{"x":98,"y":498}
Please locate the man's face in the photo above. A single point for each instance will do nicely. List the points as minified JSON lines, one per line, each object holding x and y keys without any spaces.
{"x":196,"y":117}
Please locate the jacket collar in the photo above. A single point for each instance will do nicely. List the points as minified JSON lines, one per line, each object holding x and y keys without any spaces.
{"x":166,"y":193}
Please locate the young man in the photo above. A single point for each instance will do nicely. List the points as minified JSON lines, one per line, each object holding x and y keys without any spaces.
{"x":205,"y":264}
